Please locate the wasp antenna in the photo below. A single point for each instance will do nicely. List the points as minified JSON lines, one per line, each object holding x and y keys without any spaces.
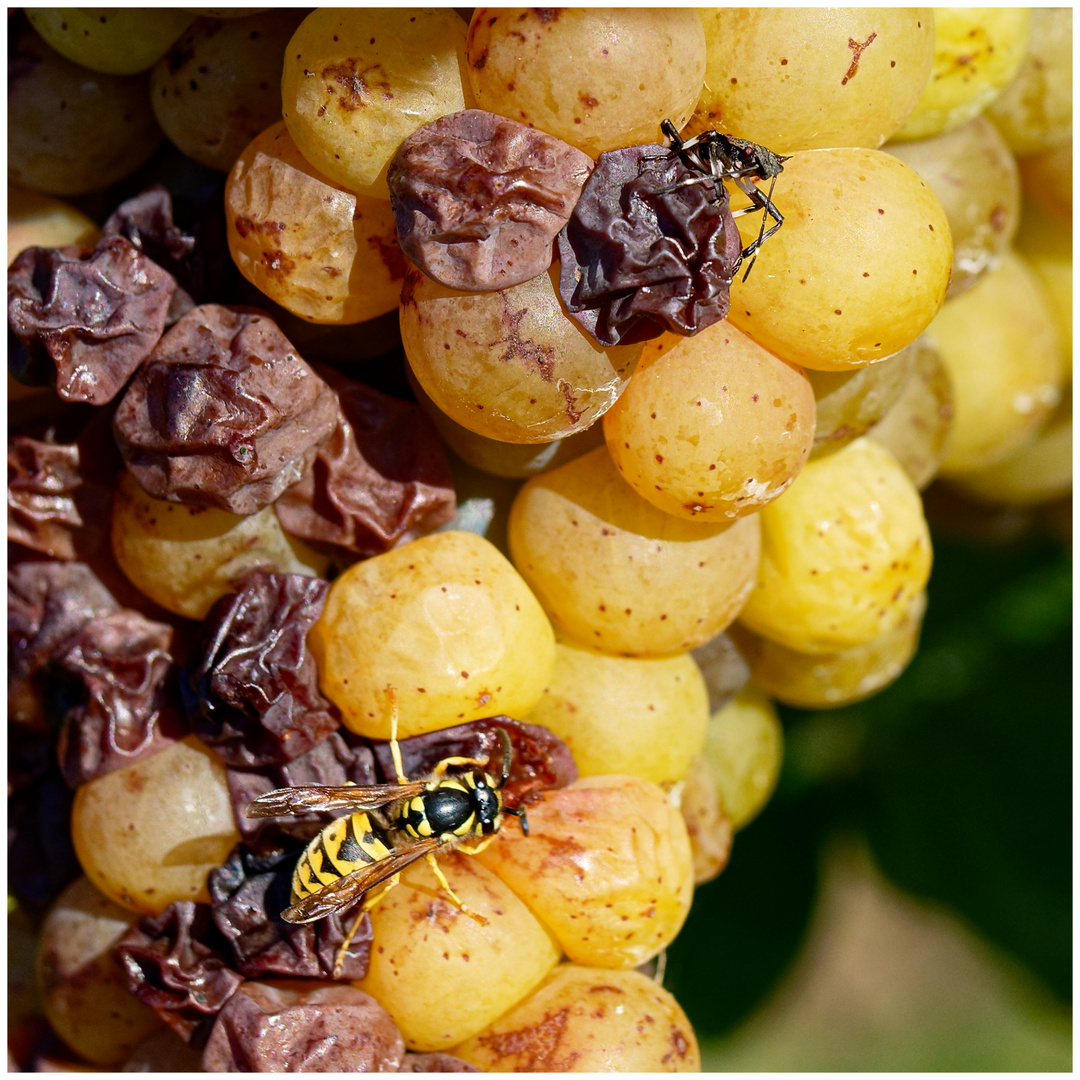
{"x":507,"y":754}
{"x":670,"y":130}
{"x":519,"y":813}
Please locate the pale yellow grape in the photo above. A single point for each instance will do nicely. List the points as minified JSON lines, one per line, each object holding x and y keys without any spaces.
{"x":35,"y":220}
{"x":589,"y":1020}
{"x":803,"y":78}
{"x":744,"y":749}
{"x":186,"y":557}
{"x":914,"y":430}
{"x":357,"y":82}
{"x":1034,"y":112}
{"x":840,"y":678}
{"x":115,"y":41}
{"x":606,"y":867}
{"x":447,"y":622}
{"x":639,"y":717}
{"x":977,"y":52}
{"x":509,"y":364}
{"x":149,"y":833}
{"x":1041,"y":470}
{"x":427,"y":954}
{"x":1046,"y":246}
{"x":1003,"y":352}
{"x":314,"y":248}
{"x":516,"y":461}
{"x":615,"y":573}
{"x":596,"y":78}
{"x":713,"y":429}
{"x":973,"y":173}
{"x":83,"y":987}
{"x":709,"y":828}
{"x":849,"y":403}
{"x":220,"y":85}
{"x":71,"y":130}
{"x":842,"y":553}
{"x":1047,"y":177}
{"x":859,"y":268}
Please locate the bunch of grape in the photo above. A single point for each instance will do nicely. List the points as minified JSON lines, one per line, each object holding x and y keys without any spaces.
{"x":655,"y":539}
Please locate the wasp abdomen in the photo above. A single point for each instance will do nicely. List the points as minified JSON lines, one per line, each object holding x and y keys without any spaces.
{"x":345,"y":845}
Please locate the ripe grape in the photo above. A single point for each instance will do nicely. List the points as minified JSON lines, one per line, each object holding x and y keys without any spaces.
{"x":1047,"y":249}
{"x":1047,"y":179}
{"x":596,"y":78}
{"x":708,"y":826}
{"x":35,"y":220}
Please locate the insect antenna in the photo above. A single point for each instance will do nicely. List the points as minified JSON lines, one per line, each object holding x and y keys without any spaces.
{"x":513,"y":811}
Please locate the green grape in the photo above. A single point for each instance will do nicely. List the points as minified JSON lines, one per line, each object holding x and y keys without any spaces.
{"x":71,"y":131}
{"x":318,"y":250}
{"x":616,"y":574}
{"x":220,"y":85}
{"x":914,"y":430}
{"x":597,"y":78}
{"x":804,"y":78}
{"x":509,"y":365}
{"x":358,"y":81}
{"x":637,"y":717}
{"x":114,"y":41}
{"x":863,"y":234}
{"x":1034,"y":112}
{"x":842,"y":553}
{"x":977,"y":52}
{"x":1003,"y":352}
{"x":849,"y":403}
{"x":974,"y":176}
{"x":713,"y":428}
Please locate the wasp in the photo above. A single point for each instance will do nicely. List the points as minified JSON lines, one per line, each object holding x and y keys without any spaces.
{"x":717,"y":157}
{"x":384,"y":828}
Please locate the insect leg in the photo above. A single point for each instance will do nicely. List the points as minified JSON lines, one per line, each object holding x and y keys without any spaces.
{"x":395,"y":750}
{"x":436,"y":869}
{"x":369,"y":903}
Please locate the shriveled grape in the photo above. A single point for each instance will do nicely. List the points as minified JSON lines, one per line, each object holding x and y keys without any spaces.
{"x":863,"y":233}
{"x":358,"y":81}
{"x":606,"y":867}
{"x":597,"y":78}
{"x":424,"y":966}
{"x":447,"y":622}
{"x":510,"y":364}
{"x":185,"y":557}
{"x":799,"y":78}
{"x":147,"y":835}
{"x":84,"y":990}
{"x":616,"y":573}
{"x":320,"y":251}
{"x":587,"y":1019}
{"x":714,"y":428}
{"x":1003,"y":353}
{"x":843,"y":553}
{"x":639,"y":717}
{"x":977,"y":52}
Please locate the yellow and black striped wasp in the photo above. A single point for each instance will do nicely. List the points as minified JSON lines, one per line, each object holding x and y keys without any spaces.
{"x":387,"y":827}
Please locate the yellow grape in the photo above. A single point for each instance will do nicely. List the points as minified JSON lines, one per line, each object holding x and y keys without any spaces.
{"x":447,"y":622}
{"x":639,"y":717}
{"x":863,"y":234}
{"x":1047,"y":177}
{"x":977,"y":52}
{"x":714,"y":428}
{"x":616,"y":574}
{"x":795,"y":78}
{"x":589,"y":1020}
{"x":1003,"y":352}
{"x":318,"y":250}
{"x":35,"y":220}
{"x":426,"y":953}
{"x":1047,"y":249}
{"x":842,"y":553}
{"x":357,"y":82}
{"x":596,"y":78}
{"x":509,"y":364}
{"x":708,"y":826}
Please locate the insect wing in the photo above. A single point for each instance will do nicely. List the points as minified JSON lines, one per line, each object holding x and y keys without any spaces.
{"x":345,"y":891}
{"x":306,"y":799}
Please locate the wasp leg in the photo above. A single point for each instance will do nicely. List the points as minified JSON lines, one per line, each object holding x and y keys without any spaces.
{"x":436,"y":869}
{"x":395,"y":750}
{"x":477,"y":848}
{"x":368,"y":904}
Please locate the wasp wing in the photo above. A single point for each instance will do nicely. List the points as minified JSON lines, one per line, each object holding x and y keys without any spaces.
{"x":345,"y":891}
{"x":309,"y":798}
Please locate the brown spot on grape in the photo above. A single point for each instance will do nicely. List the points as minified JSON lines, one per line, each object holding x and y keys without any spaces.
{"x":783,"y":61}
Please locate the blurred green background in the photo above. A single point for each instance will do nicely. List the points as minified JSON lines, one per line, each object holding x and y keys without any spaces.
{"x":904,"y":902}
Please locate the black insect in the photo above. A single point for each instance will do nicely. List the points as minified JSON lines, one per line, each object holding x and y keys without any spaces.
{"x":717,"y":157}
